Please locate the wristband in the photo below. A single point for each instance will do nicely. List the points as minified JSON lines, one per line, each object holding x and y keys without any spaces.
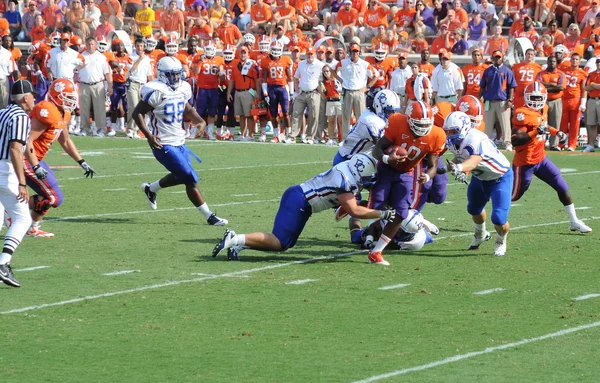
{"x":427,"y":177}
{"x":459,"y":167}
{"x":81,"y":161}
{"x":385,"y":158}
{"x":23,"y":185}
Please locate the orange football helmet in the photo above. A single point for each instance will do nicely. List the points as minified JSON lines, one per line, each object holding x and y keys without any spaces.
{"x":536,"y":95}
{"x":471,"y":106}
{"x":76,"y":40}
{"x":102,"y":44}
{"x":55,"y":39}
{"x":171,"y":47}
{"x":63,"y":94}
{"x":381,"y":52}
{"x":420,"y":118}
{"x":229,"y":52}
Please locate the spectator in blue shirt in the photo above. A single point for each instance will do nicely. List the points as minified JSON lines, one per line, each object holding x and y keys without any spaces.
{"x":460,"y":47}
{"x":13,"y":16}
{"x":497,"y":87}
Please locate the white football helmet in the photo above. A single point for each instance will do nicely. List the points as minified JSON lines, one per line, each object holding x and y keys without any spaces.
{"x":150,"y":44}
{"x":381,"y":52}
{"x":413,"y":222}
{"x":456,"y":126}
{"x":102,"y":44}
{"x":55,"y":39}
{"x":386,"y":103}
{"x":210,"y":51}
{"x":363,"y":168}
{"x":171,"y":47}
{"x":228,"y":53}
{"x":264,"y":44}
{"x":276,"y":49}
{"x":249,"y":39}
{"x":170,"y":71}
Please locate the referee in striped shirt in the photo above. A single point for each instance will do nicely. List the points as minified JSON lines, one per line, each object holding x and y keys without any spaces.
{"x":14,"y":133}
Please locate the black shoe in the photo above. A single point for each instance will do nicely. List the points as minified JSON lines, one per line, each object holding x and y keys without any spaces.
{"x":6,"y":276}
{"x":555,"y":149}
{"x":150,"y":196}
{"x":233,"y":253}
{"x":216,"y":221}
{"x":219,"y":247}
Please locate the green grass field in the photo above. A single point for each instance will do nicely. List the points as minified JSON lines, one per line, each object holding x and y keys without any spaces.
{"x":183,"y":316}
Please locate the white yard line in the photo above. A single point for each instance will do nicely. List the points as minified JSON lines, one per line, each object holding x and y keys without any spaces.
{"x":583,"y":208}
{"x":588,"y":296}
{"x":243,"y":195}
{"x":301,"y":281}
{"x":488,"y":350}
{"x":484,"y":292}
{"x":32,"y":268}
{"x":122,"y":272}
{"x":398,"y":286}
{"x":117,"y":189}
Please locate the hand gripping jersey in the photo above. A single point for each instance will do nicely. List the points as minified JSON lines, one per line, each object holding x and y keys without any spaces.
{"x":363,"y":135}
{"x":493,"y":165}
{"x":49,"y":115}
{"x":526,"y":119}
{"x":167,"y":115}
{"x":398,"y":133}
{"x":322,"y":190}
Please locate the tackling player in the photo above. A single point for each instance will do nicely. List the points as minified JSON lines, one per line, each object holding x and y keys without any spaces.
{"x":166,"y":99}
{"x":530,"y":130}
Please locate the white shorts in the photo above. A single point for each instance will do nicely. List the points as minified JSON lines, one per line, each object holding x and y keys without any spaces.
{"x":333,"y":108}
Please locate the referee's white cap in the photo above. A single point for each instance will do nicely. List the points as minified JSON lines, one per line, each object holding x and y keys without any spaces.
{"x":21,"y":87}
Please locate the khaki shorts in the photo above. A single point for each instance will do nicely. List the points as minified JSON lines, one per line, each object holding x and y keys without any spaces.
{"x":333,"y":108}
{"x":592,"y":112}
{"x":242,"y":103}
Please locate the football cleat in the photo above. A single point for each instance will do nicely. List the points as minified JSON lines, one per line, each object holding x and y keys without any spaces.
{"x":233,"y":253}
{"x":500,"y":248}
{"x":150,"y":195}
{"x":588,"y":149}
{"x":223,"y":243}
{"x":579,"y":225}
{"x":476,"y":241}
{"x":111,"y":133}
{"x":38,"y":233}
{"x":275,"y":140}
{"x":377,"y":258}
{"x":262,"y":138}
{"x":431,"y":227}
{"x":216,"y":221}
{"x":340,"y":213}
{"x":6,"y":276}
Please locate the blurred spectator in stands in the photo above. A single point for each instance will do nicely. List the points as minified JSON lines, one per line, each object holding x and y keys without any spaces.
{"x":447,"y":80}
{"x":477,"y":31}
{"x":542,"y":13}
{"x":319,"y":31}
{"x":379,"y":38}
{"x":112,"y":9}
{"x":496,"y":42}
{"x":517,"y":25}
{"x":403,"y":19}
{"x":573,"y":38}
{"x":557,"y":35}
{"x":346,"y":22}
{"x":228,"y":32}
{"x":460,"y":47}
{"x":331,"y":16}
{"x":391,"y":39}
{"x":424,"y":21}
{"x":261,"y":15}
{"x":510,"y":12}
{"x":593,"y":28}
{"x":460,"y":14}
{"x":443,"y":41}
{"x":376,"y":15}
{"x":130,"y":8}
{"x":104,"y":28}
{"x":308,"y":14}
{"x":590,"y":14}
{"x":144,"y":18}
{"x":399,"y":75}
{"x":554,"y":81}
{"x":561,"y":52}
{"x":582,"y":8}
{"x":13,"y":16}
{"x":285,"y":13}
{"x":28,"y":21}
{"x":241,"y":10}
{"x":452,"y":22}
{"x":91,"y":17}
{"x":473,"y":72}
{"x":281,"y":37}
{"x":75,"y":15}
{"x":419,"y":44}
{"x":172,"y":21}
{"x":497,"y":90}
{"x":564,"y":11}
{"x":440,"y":10}
{"x":52,"y":14}
{"x":295,"y":42}
{"x":37,"y":31}
{"x":404,"y":44}
{"x":487,"y":12}
{"x":544,"y":47}
{"x":528,"y":31}
{"x":216,"y":13}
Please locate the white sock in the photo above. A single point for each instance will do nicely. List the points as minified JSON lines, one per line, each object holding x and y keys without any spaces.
{"x":238,"y":240}
{"x":231,"y":131}
{"x":263,"y":131}
{"x":155,"y":186}
{"x":381,"y":243}
{"x":501,"y":238}
{"x":121,"y":122}
{"x":204,"y":210}
{"x":570,"y":209}
{"x":5,"y":258}
{"x":480,"y":228}
{"x":210,"y":128}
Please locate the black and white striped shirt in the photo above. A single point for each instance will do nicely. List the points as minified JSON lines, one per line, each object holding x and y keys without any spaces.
{"x":14,"y":126}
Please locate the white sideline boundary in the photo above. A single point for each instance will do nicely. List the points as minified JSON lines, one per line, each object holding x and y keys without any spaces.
{"x":588,"y":296}
{"x":490,"y":291}
{"x":398,"y":286}
{"x":488,"y":350}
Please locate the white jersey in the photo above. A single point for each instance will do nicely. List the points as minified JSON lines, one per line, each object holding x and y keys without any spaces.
{"x":411,"y":241}
{"x":322,"y":190}
{"x":167,"y":116}
{"x":363,"y":135}
{"x":493,"y":165}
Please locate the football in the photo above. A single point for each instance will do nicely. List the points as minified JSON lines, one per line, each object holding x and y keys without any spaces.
{"x":399,"y":150}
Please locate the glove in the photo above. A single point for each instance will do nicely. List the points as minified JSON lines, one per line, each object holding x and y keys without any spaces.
{"x":562,"y":138}
{"x":89,"y":171}
{"x":462,"y":177}
{"x":543,"y":128}
{"x":40,"y":172}
{"x":388,"y":214}
{"x":267,"y":100}
{"x":452,"y":168}
{"x":583,"y":104}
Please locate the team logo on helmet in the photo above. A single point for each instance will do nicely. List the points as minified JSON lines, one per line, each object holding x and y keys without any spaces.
{"x":59,"y":86}
{"x":520,"y":117}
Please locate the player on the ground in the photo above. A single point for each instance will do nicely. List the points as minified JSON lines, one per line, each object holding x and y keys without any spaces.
{"x":416,"y":133}
{"x":166,"y":98}
{"x":337,"y":186}
{"x":491,"y":178}
{"x":530,"y":130}
{"x":49,"y":121}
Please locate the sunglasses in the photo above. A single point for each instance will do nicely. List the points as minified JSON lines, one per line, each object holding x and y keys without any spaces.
{"x":401,"y":58}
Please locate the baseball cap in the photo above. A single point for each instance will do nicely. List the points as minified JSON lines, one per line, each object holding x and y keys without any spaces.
{"x":65,"y":36}
{"x":523,"y":11}
{"x":477,"y":50}
{"x":244,"y":48}
{"x":310,"y":50}
{"x":321,"y":48}
{"x":475,"y":12}
{"x":319,"y":28}
{"x":21,"y":87}
{"x":446,"y":55}
{"x":451,"y":12}
{"x":597,"y":14}
{"x":330,"y":50}
{"x":442,"y":51}
{"x":402,"y":54}
{"x":497,"y":53}
{"x":347,"y":1}
{"x":560,"y":48}
{"x":279,"y":27}
{"x":295,"y":48}
{"x":354,"y":47}
{"x":444,"y":26}
{"x":117,"y":41}
{"x":404,"y":33}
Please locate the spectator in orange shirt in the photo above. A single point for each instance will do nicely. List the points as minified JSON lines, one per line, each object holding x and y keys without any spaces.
{"x":201,"y":30}
{"x":404,"y":44}
{"x":228,"y":32}
{"x":510,"y":13}
{"x":403,"y":18}
{"x":564,"y":11}
{"x":330,"y":17}
{"x":112,"y":9}
{"x":37,"y":31}
{"x":172,"y":21}
{"x":308,"y":14}
{"x":419,"y":44}
{"x":545,"y":47}
{"x":443,"y":41}
{"x":285,"y":13}
{"x":379,"y":38}
{"x":496,"y":42}
{"x":376,"y":14}
{"x":261,"y":15}
{"x":104,"y":28}
{"x":52,"y":14}
{"x":452,"y":21}
{"x":461,"y":14}
{"x":573,"y":37}
{"x":346,"y":22}
{"x":557,"y":35}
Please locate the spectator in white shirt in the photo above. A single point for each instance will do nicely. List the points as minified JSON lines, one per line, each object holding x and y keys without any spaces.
{"x":400,"y":75}
{"x":447,"y":83}
{"x":140,"y":72}
{"x":7,"y":68}
{"x":64,"y":62}
{"x":91,"y":18}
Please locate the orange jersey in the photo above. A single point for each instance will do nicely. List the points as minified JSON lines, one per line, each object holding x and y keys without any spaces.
{"x":410,"y":86}
{"x":376,"y":17}
{"x":419,"y":46}
{"x":441,"y":110}
{"x":156,"y":55}
{"x":120,"y":74}
{"x":332,"y":88}
{"x":525,"y":74}
{"x":227,"y":69}
{"x":276,"y":70}
{"x":496,"y":45}
{"x":426,"y":68}
{"x":384,"y":68}
{"x":210,"y":71}
{"x":556,"y":77}
{"x":593,"y":78}
{"x":48,"y":114}
{"x":398,"y":133}
{"x":247,"y":81}
{"x":526,"y":120}
{"x":574,"y":83}
{"x":473,"y":75}
{"x":42,"y":57}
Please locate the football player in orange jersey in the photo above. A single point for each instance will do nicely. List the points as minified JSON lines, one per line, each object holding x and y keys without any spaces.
{"x":525,"y":73}
{"x":277,"y":85}
{"x":172,"y":49}
{"x":471,"y":106}
{"x":118,"y":100}
{"x":530,"y":129}
{"x":264,"y":45}
{"x":440,"y":111}
{"x":383,"y":64}
{"x":208,"y":73}
{"x":228,"y":57}
{"x":416,"y":133}
{"x":574,"y":101}
{"x":39,"y":62}
{"x":49,"y":120}
{"x":153,"y":53}
{"x":473,"y":73}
